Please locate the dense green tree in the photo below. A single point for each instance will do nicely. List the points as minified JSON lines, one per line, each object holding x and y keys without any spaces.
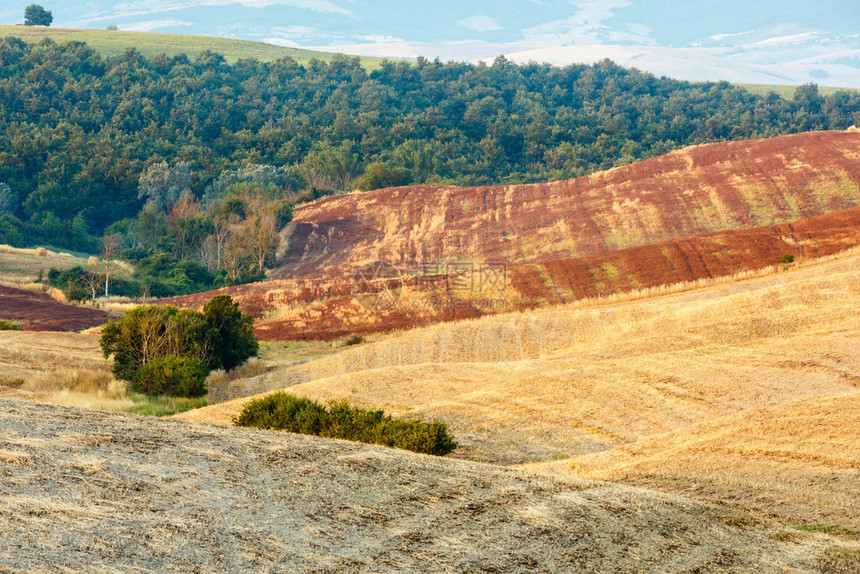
{"x":162,"y":185}
{"x":220,"y":337}
{"x":138,"y":338}
{"x":8,"y":199}
{"x":36,"y":15}
{"x":10,"y":230}
{"x":105,"y":137}
{"x":173,"y":376}
{"x":378,"y":174}
{"x":230,"y":332}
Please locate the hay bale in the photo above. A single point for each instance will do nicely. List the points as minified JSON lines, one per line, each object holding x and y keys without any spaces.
{"x":93,"y":260}
{"x":58,"y":295}
{"x":41,"y":252}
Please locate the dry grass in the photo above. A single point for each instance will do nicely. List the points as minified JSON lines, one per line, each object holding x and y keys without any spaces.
{"x":21,"y":267}
{"x":68,"y":369}
{"x":122,"y":493}
{"x":34,"y":355}
{"x":251,"y":368}
{"x":590,"y":378}
{"x":799,"y":461}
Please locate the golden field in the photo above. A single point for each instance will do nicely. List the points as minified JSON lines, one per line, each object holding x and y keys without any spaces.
{"x":103,"y":492}
{"x":709,"y":426}
{"x":709,"y":392}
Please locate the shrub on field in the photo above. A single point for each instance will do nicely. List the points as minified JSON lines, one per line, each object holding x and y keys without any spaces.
{"x":148,"y":342}
{"x":171,"y":375}
{"x":281,"y":411}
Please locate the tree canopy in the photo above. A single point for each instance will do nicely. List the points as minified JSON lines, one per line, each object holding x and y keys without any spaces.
{"x":118,"y":139}
{"x":164,"y":350}
{"x":36,"y":15}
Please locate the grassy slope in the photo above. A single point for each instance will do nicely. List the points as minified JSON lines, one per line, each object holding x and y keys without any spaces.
{"x":586,"y":379}
{"x":113,"y":42}
{"x":102,"y":492}
{"x":787,"y":92}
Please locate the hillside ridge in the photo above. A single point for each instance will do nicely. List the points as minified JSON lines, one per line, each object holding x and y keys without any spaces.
{"x":700,"y":189}
{"x":121,"y":491}
{"x":699,"y":213}
{"x":114,"y":42}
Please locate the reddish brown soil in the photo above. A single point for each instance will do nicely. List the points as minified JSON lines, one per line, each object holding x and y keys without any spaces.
{"x":38,"y":312}
{"x":698,"y":213}
{"x":702,"y":189}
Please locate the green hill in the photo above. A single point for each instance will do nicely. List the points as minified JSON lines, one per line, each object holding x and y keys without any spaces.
{"x":113,"y":42}
{"x":787,"y":92}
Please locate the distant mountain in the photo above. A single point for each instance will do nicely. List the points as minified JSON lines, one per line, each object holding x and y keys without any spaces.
{"x":784,"y":42}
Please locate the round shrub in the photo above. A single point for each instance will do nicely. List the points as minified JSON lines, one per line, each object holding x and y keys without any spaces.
{"x":171,"y":375}
{"x":282,"y":411}
{"x":9,"y":326}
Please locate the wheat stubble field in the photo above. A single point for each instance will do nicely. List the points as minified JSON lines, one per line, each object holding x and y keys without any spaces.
{"x":704,"y":427}
{"x":743,"y":393}
{"x":99,"y":492}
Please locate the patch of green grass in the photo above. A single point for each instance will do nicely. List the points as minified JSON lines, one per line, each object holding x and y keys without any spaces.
{"x":114,"y":42}
{"x":162,"y":406}
{"x":292,"y":352}
{"x":9,"y":326}
{"x":828,"y":529}
{"x":787,"y":92}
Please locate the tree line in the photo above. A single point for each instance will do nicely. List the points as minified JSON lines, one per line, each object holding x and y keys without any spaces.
{"x":201,"y":161}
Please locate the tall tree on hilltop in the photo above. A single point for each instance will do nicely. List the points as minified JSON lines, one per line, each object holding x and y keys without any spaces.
{"x":36,"y":15}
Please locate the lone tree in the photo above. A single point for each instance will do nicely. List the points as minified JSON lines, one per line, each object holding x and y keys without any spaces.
{"x":164,"y":350}
{"x":35,"y":15}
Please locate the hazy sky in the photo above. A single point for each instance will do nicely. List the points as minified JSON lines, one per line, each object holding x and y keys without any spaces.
{"x":790,"y":40}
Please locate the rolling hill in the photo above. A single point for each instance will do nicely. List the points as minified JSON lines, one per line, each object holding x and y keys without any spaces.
{"x":101,"y":492}
{"x":707,"y":188}
{"x":703,"y":212}
{"x":114,"y":42}
{"x":593,"y":379}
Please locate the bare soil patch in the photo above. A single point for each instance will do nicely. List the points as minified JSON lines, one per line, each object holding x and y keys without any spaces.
{"x":38,"y":312}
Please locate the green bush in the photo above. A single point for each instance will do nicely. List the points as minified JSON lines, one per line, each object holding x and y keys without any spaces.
{"x":8,"y":326}
{"x":353,"y":340}
{"x":281,"y":411}
{"x":786,"y":259}
{"x":173,"y":376}
{"x":220,"y":337}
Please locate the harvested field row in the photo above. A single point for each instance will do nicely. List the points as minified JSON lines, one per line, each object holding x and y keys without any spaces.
{"x":101,"y":492}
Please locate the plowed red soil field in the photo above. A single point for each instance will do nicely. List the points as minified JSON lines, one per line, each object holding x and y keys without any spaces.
{"x":453,"y":253}
{"x":38,"y":312}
